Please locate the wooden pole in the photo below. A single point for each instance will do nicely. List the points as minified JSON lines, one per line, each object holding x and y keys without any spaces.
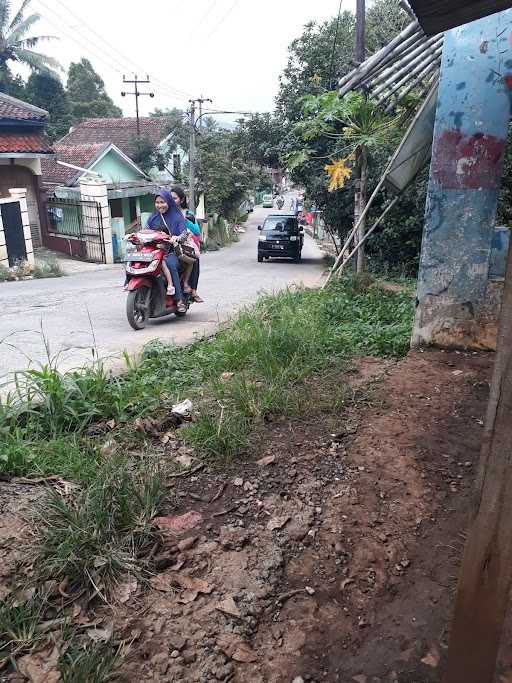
{"x":486,"y":573}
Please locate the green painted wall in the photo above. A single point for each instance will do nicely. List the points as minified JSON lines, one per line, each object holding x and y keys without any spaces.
{"x":114,"y":169}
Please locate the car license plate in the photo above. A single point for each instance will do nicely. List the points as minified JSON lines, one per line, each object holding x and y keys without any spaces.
{"x":142,"y":257}
{"x":278,"y":246}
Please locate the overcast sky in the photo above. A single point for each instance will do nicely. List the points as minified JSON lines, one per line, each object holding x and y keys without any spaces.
{"x":230,"y":50}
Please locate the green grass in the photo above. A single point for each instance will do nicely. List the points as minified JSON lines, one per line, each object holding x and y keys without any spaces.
{"x":271,"y":348}
{"x":90,"y":664}
{"x":18,"y":625}
{"x":47,"y":268}
{"x":93,"y":538}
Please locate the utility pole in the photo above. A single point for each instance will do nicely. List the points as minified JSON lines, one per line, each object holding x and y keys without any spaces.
{"x":192,"y":150}
{"x":360,"y":200}
{"x":360,"y":27}
{"x":137,"y":94}
{"x":201,"y":100}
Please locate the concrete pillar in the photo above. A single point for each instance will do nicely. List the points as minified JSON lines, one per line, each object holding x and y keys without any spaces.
{"x":19,"y":194}
{"x":470,"y":138}
{"x":95,"y":189}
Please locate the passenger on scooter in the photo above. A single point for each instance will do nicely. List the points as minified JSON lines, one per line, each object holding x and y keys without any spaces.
{"x":168,"y":218}
{"x":191,"y":275}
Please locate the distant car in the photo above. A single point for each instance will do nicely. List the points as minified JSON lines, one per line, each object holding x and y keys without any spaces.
{"x":281,"y":236}
{"x":268,"y":201}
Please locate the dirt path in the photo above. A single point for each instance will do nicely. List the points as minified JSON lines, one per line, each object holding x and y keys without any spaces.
{"x":331,"y":555}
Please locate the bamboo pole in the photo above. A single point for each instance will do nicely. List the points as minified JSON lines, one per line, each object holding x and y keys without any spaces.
{"x":377,"y":58}
{"x":363,"y":240}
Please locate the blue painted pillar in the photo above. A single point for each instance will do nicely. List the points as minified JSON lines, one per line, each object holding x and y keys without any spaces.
{"x":470,"y":137}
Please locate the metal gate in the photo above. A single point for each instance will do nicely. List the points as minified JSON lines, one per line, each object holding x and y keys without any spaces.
{"x":13,"y":231}
{"x":75,"y":227}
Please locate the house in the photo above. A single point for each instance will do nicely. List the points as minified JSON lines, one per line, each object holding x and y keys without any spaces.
{"x":123,"y":133}
{"x":122,"y":190}
{"x":22,"y":149}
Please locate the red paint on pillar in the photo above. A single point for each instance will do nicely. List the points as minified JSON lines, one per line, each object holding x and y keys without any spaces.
{"x":468,"y":161}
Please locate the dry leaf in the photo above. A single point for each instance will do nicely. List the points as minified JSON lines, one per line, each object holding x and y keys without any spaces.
{"x":226,"y":376}
{"x":267,"y":460}
{"x":111,"y":424}
{"x":40,"y":667}
{"x":187,"y":543}
{"x":192,"y":586}
{"x":101,"y":634}
{"x":277,"y":522}
{"x":184,"y":460}
{"x":234,"y":647}
{"x":178,"y":524}
{"x":345,"y":583}
{"x":126,"y":589}
{"x":432,"y":658}
{"x":108,"y":448}
{"x":229,"y":606}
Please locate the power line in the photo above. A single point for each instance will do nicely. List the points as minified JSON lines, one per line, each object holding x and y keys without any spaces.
{"x":108,"y":59}
{"x":223,"y":19}
{"x":205,"y":15}
{"x":126,"y":60}
{"x":333,"y":52}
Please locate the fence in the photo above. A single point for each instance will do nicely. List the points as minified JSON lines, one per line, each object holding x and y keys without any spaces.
{"x":75,"y":227}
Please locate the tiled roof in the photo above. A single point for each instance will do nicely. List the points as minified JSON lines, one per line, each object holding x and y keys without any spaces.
{"x":14,"y":109}
{"x":121,"y":132}
{"x":78,"y":155}
{"x":20,"y":143}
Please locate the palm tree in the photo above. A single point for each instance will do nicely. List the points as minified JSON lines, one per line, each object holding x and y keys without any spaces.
{"x":16,"y":43}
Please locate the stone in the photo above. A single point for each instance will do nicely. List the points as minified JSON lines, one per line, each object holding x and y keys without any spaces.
{"x":175,"y":654}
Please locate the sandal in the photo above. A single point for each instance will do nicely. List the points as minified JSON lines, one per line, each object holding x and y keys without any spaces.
{"x":197,"y":299}
{"x":180,"y":307}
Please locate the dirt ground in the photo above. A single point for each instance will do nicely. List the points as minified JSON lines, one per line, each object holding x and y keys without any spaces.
{"x":330,"y":553}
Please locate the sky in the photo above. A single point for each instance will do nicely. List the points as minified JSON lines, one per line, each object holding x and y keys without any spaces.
{"x":231,"y":51}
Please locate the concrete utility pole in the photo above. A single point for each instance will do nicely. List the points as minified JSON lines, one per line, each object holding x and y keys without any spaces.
{"x":360,"y":27}
{"x":192,"y":150}
{"x":137,"y":94}
{"x":360,"y":180}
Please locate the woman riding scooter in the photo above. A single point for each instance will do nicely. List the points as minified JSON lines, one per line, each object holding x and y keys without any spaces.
{"x":168,"y":218}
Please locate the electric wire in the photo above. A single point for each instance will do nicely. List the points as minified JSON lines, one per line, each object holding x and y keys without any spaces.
{"x":108,"y":59}
{"x":223,"y":19}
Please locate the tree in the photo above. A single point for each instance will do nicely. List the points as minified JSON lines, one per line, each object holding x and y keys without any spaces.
{"x":16,"y":43}
{"x":356,"y":128}
{"x":87,"y":95}
{"x":315,"y":64}
{"x":261,"y":139}
{"x":222,"y":174}
{"x":46,"y":91}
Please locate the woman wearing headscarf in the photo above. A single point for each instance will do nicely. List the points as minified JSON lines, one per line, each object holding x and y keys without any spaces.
{"x":168,"y":218}
{"x":192,"y":274}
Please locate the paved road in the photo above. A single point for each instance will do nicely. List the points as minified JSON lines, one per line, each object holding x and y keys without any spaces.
{"x":230,"y":278}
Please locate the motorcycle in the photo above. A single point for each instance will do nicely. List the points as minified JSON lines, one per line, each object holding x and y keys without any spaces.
{"x":147,"y":285}
{"x":280,"y":203}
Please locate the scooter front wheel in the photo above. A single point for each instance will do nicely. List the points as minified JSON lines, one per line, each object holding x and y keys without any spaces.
{"x":136,"y":310}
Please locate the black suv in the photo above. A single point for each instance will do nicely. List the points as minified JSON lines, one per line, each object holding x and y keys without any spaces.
{"x":281,"y":236}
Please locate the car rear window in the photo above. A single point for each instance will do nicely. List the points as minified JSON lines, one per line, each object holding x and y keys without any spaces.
{"x":280,"y":224}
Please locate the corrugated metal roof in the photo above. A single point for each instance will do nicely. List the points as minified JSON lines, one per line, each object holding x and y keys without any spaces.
{"x":411,"y":60}
{"x":440,"y":15}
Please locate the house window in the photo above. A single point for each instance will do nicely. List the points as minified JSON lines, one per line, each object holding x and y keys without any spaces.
{"x":116,"y":208}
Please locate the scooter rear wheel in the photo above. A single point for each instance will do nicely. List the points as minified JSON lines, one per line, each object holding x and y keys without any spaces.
{"x":136,"y":310}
